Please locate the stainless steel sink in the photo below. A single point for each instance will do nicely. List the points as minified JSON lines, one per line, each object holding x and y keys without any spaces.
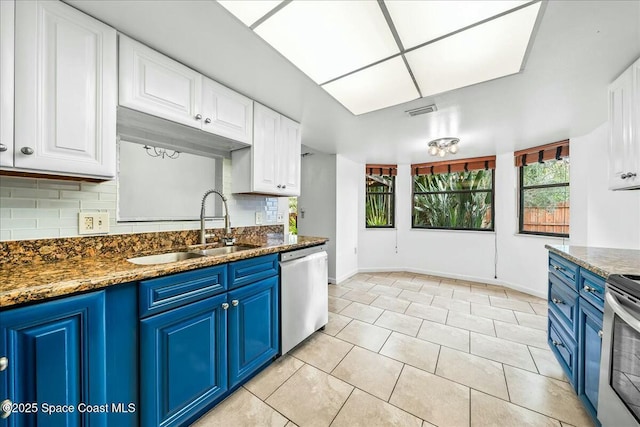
{"x":223,"y":250}
{"x":164,"y":258}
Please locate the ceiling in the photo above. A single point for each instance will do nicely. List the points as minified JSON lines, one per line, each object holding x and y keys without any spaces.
{"x":579,"y":47}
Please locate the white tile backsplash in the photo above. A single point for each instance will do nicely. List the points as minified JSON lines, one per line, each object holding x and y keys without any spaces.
{"x":35,"y":208}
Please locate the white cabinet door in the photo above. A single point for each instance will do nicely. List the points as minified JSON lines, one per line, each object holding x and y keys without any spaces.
{"x":6,"y":82}
{"x":226,"y":113}
{"x":65,"y":91}
{"x":289,"y":158}
{"x":155,"y":84}
{"x":265,"y":150}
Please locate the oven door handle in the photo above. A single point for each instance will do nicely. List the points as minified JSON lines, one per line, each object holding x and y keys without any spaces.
{"x":622,"y":312}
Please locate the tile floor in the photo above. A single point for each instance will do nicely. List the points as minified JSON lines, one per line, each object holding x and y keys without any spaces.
{"x":403,"y":349}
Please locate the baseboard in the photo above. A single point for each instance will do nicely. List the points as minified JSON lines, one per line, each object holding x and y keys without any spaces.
{"x":343,"y":277}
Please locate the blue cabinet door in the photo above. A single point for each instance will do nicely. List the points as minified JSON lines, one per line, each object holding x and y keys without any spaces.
{"x":183,"y":361}
{"x":56,"y":354}
{"x":589,"y":346}
{"x":253,"y":328}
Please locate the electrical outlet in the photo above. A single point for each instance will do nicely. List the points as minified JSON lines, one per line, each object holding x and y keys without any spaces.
{"x":93,"y":222}
{"x":280,"y":218}
{"x":259,"y":217}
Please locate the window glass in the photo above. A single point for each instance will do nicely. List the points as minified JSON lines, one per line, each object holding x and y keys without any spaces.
{"x":379,"y":207}
{"x":458,"y":200}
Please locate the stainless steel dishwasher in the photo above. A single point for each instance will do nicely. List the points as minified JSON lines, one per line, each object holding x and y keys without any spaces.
{"x":304,"y":299}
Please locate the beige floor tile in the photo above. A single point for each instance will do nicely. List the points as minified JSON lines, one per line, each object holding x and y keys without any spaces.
{"x":532,"y":321}
{"x":310,"y":397}
{"x":522,"y":334}
{"x":364,"y":335}
{"x":437,"y":291}
{"x":362,"y":312}
{"x":399,"y":322}
{"x":241,"y":409}
{"x":547,"y":363}
{"x":435,"y":314}
{"x":389,"y":291}
{"x":418,"y":297}
{"x":471,"y":297}
{"x":550,"y":397}
{"x":337,"y":290}
{"x":369,"y":371}
{"x":363,"y":286}
{"x":455,"y":285}
{"x":493,"y":313}
{"x":364,"y":410}
{"x":405,"y":275}
{"x":489,"y":411}
{"x":496,"y":291}
{"x":471,"y":323}
{"x":336,"y":323}
{"x":267,"y":381}
{"x":539,"y":309}
{"x":413,"y":351}
{"x":322,"y":351}
{"x":521,"y":296}
{"x":362,"y":277}
{"x":291,"y":424}
{"x":434,"y":399}
{"x":426,"y":280}
{"x":502,"y":351}
{"x":390,"y":303}
{"x":337,"y":304}
{"x":409,"y":286}
{"x":424,"y":424}
{"x":451,"y":304}
{"x":444,"y":335}
{"x":511,"y":304}
{"x":359,"y":296}
{"x":473,"y":371}
{"x":387,"y":281}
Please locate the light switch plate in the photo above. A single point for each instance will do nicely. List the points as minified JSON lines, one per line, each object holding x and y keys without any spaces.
{"x":93,"y":222}
{"x":259,"y":217}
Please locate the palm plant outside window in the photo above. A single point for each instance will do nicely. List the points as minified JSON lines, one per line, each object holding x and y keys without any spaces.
{"x":380,"y":196}
{"x":456,"y":195}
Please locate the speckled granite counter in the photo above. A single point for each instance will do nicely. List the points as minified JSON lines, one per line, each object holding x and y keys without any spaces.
{"x":601,"y":261}
{"x":22,"y":283}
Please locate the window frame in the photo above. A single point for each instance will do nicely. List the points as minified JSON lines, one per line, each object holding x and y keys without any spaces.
{"x":521,"y":189}
{"x":493,"y":211}
{"x":392,"y":195}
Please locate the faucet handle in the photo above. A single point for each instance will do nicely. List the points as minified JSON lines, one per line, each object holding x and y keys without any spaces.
{"x":229,"y":241}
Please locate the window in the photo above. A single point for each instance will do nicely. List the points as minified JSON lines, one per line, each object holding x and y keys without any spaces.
{"x":380,"y":196}
{"x":456,"y":195}
{"x":544,"y":189}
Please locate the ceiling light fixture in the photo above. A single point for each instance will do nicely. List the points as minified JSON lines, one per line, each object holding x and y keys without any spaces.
{"x":442,"y":146}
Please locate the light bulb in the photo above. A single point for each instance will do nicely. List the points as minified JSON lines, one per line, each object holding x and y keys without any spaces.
{"x":453,"y":149}
{"x":442,"y":152}
{"x":433,"y":150}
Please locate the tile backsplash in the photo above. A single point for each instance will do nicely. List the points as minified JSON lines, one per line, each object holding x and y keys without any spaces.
{"x":35,"y":208}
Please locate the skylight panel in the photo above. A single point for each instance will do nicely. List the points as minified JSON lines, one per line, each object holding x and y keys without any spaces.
{"x":249,"y":11}
{"x":421,"y":21}
{"x":485,"y":52}
{"x":327,"y":39}
{"x":373,"y":88}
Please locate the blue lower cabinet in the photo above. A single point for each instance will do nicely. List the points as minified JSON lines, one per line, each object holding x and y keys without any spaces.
{"x":56,"y":356}
{"x":563,"y":346}
{"x":253,"y":328}
{"x":183,"y":361}
{"x":590,"y":343}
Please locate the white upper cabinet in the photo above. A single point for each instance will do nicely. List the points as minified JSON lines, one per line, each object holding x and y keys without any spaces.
{"x":624,"y":130}
{"x":226,"y":113}
{"x":272,"y":165}
{"x":6,"y":82}
{"x":155,"y":84}
{"x":65,"y":91}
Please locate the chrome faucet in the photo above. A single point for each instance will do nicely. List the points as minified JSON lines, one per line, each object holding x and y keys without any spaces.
{"x":227,"y":239}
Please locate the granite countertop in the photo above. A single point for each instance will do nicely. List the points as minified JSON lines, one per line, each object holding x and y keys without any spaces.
{"x":22,"y":283}
{"x":601,"y":261}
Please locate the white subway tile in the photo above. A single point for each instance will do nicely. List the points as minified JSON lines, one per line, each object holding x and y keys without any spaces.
{"x":58,"y":223}
{"x":58,"y":185}
{"x":30,"y":193}
{"x":144,"y":227}
{"x":5,"y":213}
{"x":69,"y":213}
{"x":35,"y":213}
{"x":46,"y":233}
{"x":5,"y":235}
{"x":62,"y":204}
{"x":21,"y":223}
{"x":102,"y":187}
{"x":88,"y":204}
{"x":121,"y":229}
{"x":79,"y":195}
{"x":17,"y":203}
{"x":108,"y":196}
{"x":5,"y":192}
{"x":10,"y":181}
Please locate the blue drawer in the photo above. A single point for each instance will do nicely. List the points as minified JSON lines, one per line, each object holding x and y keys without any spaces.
{"x":563,"y":347}
{"x":592,"y":288}
{"x":564,"y":269}
{"x":251,"y":270}
{"x":563,"y":301}
{"x":164,"y":293}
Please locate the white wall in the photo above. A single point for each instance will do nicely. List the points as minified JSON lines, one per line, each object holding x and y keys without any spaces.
{"x":43,"y":208}
{"x":317,"y":202}
{"x":349,"y":178}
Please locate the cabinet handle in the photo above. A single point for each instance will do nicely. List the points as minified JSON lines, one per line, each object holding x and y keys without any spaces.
{"x":5,"y":408}
{"x":27,"y":150}
{"x":556,"y":268}
{"x":557,"y":343}
{"x":557,"y":301}
{"x":284,"y":186}
{"x":279,"y":186}
{"x":4,"y":363}
{"x":631,"y":175}
{"x":198,"y":116}
{"x":3,"y":148}
{"x":225,"y":305}
{"x":235,"y":302}
{"x":589,"y":289}
{"x":207,"y":120}
{"x":600,"y":333}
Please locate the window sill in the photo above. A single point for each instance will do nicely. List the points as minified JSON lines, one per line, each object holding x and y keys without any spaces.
{"x":541,"y":236}
{"x":437,"y":230}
